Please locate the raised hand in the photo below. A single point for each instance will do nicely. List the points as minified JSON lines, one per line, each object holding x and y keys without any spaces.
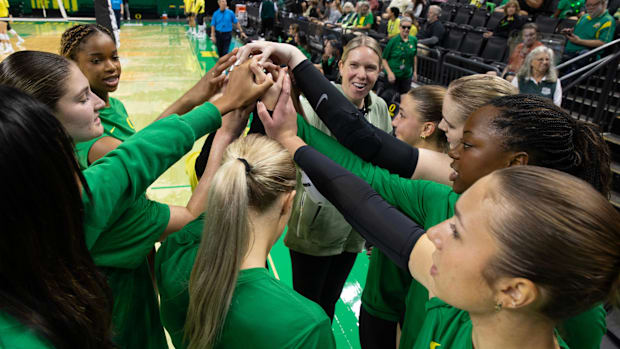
{"x":279,"y":53}
{"x":282,"y":124}
{"x":242,"y":88}
{"x":235,"y":122}
{"x":270,"y":98}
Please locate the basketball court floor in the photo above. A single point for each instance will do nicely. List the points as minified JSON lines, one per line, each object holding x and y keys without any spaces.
{"x":159,"y":63}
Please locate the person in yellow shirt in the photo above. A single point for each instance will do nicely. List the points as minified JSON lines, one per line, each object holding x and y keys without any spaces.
{"x":5,"y":44}
{"x":191,"y":16}
{"x":199,"y":10}
{"x":393,"y":27}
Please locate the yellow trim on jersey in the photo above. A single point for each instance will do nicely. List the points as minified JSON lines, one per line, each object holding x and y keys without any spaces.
{"x":606,"y":25}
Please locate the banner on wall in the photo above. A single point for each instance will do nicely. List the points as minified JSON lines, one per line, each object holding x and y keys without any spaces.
{"x":242,"y":14}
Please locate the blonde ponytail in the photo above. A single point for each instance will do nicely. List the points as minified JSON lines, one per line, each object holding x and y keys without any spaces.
{"x":255,"y":171}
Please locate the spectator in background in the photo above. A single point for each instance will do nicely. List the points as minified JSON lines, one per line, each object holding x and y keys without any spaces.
{"x":569,"y":8}
{"x":527,"y":7}
{"x":331,"y":59}
{"x":399,"y":58}
{"x":293,"y":29}
{"x":321,"y":9}
{"x":433,"y":30}
{"x":311,"y":9}
{"x":5,"y":43}
{"x":374,"y":5}
{"x":117,"y":7}
{"x":539,"y":76}
{"x":333,"y":12}
{"x":521,"y":51}
{"x":302,"y":44}
{"x":349,"y":17}
{"x":595,"y":28}
{"x":126,"y":7}
{"x":414,"y":28}
{"x":510,"y":22}
{"x":268,"y":15}
{"x":393,"y":26}
{"x":418,"y":7}
{"x":221,"y":28}
{"x":400,"y":4}
{"x":365,"y":18}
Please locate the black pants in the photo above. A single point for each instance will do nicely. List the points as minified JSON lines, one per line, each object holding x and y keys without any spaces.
{"x":321,"y":279}
{"x":376,"y":333}
{"x":117,"y":16}
{"x":267,"y":25}
{"x":402,"y":85}
{"x":223,"y":40}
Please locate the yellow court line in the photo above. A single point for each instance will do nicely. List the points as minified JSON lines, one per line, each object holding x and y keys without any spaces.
{"x":273,"y":266}
{"x":208,"y":53}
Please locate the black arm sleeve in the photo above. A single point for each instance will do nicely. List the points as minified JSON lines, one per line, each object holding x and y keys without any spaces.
{"x":377,"y":221}
{"x":349,"y":126}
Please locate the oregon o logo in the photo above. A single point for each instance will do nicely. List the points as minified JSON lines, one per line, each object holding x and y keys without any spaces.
{"x":138,"y":16}
{"x":391,"y":109}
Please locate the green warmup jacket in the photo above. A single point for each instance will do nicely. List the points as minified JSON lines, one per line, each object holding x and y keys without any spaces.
{"x":116,"y":123}
{"x":264,"y":313}
{"x":121,"y":226}
{"x":429,"y":203}
{"x":321,"y":230}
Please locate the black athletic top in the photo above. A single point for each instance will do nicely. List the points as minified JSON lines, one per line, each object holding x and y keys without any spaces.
{"x":380,"y":223}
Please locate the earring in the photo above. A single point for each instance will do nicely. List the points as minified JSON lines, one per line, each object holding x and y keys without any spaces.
{"x":498,"y":307}
{"x":423,"y":137}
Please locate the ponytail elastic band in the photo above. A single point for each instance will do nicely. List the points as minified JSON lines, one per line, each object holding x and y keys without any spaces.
{"x":248,"y":168}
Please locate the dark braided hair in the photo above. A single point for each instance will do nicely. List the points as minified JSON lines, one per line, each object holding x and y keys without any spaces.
{"x":553,"y":139}
{"x":73,"y":37}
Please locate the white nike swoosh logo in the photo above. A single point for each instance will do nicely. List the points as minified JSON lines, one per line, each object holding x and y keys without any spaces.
{"x":323,"y":97}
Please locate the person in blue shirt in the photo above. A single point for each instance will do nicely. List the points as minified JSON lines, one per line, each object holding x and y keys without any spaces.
{"x":117,"y":7}
{"x":221,"y":28}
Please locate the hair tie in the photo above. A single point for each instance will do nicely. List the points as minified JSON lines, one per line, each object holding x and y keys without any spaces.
{"x":248,"y":168}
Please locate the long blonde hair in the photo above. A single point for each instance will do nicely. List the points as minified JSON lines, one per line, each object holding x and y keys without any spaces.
{"x":236,"y":187}
{"x":473,"y":91}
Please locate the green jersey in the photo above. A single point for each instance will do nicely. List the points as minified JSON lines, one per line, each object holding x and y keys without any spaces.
{"x":265,"y":313}
{"x":14,"y":335}
{"x":115,"y":122}
{"x":174,"y":262}
{"x":119,"y":238}
{"x":448,"y":327}
{"x":400,"y":55}
{"x":601,"y":28}
{"x":362,"y":21}
{"x":257,"y":296}
{"x":427,"y":203}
